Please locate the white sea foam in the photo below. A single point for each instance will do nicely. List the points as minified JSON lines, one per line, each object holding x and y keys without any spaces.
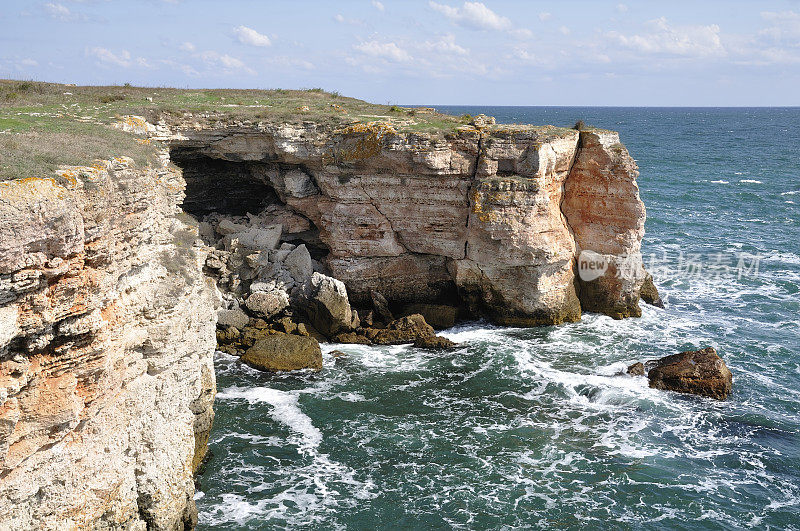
{"x":721,"y":182}
{"x":751,"y":181}
{"x":791,"y":192}
{"x":285,"y":410}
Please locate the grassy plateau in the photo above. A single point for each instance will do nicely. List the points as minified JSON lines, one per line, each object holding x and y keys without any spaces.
{"x":46,"y":125}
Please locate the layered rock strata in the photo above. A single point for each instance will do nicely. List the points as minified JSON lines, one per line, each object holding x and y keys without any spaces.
{"x":106,"y":343}
{"x":490,"y":218}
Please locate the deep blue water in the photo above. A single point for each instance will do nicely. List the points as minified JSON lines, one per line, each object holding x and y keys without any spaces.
{"x":530,"y":428}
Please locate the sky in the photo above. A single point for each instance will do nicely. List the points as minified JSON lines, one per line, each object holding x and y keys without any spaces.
{"x":434,"y":52}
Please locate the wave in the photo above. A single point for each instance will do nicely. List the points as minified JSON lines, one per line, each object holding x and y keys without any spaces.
{"x":285,"y":410}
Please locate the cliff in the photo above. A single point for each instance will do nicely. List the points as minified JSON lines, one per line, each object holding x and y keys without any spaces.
{"x":490,"y":218}
{"x":106,"y":338}
{"x":108,"y":302}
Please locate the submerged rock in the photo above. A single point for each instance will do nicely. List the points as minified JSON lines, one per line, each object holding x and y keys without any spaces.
{"x":637,"y":369}
{"x":434,"y":343}
{"x":699,"y":372}
{"x":284,"y":352}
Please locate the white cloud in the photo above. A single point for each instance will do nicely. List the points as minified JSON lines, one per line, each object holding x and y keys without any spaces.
{"x":783,"y":26}
{"x":122,"y":59}
{"x":622,"y":8}
{"x":521,"y":33}
{"x":445,"y":45}
{"x":29,"y":62}
{"x":384,"y":50}
{"x":473,"y":15}
{"x":377,"y":5}
{"x":545,"y":16}
{"x":106,"y":56}
{"x":663,"y":38}
{"x":60,"y":12}
{"x":188,"y":47}
{"x":343,"y":20}
{"x":250,"y":36}
{"x":226,"y":62}
{"x":564,"y":30}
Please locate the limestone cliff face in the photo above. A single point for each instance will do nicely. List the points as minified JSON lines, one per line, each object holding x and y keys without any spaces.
{"x":492,"y":217}
{"x":106,"y":343}
{"x":107,"y":324}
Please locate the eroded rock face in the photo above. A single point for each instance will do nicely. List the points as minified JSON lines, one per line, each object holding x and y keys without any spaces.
{"x":106,"y":343}
{"x":606,"y":216}
{"x":698,"y":372}
{"x":491,"y":217}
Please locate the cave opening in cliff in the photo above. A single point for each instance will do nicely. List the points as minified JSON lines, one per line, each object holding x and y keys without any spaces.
{"x":221,"y":186}
{"x":241,"y":192}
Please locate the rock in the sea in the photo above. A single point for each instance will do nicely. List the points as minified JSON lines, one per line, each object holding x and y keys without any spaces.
{"x":649,"y":292}
{"x":404,"y":330}
{"x":284,"y":352}
{"x":324,"y":300}
{"x":698,"y":372}
{"x":267,"y":303}
{"x":352,"y":338}
{"x":434,"y":343}
{"x":637,"y":369}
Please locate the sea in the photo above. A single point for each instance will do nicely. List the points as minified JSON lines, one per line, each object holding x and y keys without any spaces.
{"x":529,"y":428}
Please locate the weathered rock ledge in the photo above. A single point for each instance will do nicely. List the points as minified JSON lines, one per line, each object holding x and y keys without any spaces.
{"x":488,"y":218}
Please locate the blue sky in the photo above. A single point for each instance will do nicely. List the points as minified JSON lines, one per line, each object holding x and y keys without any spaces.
{"x":570,"y":52}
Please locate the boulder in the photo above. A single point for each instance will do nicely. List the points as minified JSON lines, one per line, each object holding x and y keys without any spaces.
{"x":267,"y":303}
{"x":649,"y":292}
{"x":434,"y":343}
{"x":637,"y":369}
{"x":227,"y":226}
{"x":298,"y":262}
{"x":258,"y":239}
{"x":324,"y":300}
{"x":404,"y":330}
{"x":439,"y":316}
{"x":381,"y":306}
{"x":352,"y":338}
{"x":284,"y":352}
{"x":235,"y":318}
{"x":699,"y":372}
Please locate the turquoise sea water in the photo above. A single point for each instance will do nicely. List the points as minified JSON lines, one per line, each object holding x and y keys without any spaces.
{"x":532,"y":428}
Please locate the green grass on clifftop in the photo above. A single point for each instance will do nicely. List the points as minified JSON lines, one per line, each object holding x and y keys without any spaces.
{"x":45,"y":125}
